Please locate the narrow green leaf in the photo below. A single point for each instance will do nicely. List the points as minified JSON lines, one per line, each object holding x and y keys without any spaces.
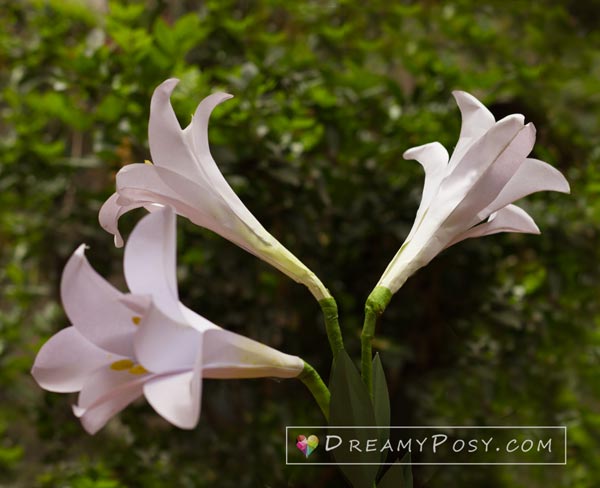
{"x":381,"y":397}
{"x":399,"y":475}
{"x":381,"y":402}
{"x":351,"y":406}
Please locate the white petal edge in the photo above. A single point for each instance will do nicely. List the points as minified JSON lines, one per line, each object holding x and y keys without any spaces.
{"x":476,"y":121}
{"x":228,"y":355}
{"x":434,"y":159}
{"x":95,"y":417}
{"x":163,"y":345}
{"x":67,"y":360}
{"x":94,"y":306}
{"x":150,"y":260}
{"x":531,"y":177}
{"x":111,"y":212}
{"x":176,"y":397}
{"x":168,"y":147}
{"x":508,"y":219}
{"x":490,"y":183}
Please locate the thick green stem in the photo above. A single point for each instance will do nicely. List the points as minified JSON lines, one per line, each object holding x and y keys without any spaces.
{"x":334,"y":333}
{"x":376,"y":303}
{"x":319,"y":390}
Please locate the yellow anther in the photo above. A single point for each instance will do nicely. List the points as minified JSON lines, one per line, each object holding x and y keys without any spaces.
{"x":147,"y":161}
{"x":121,"y":365}
{"x":136,"y":320}
{"x":138,"y":369}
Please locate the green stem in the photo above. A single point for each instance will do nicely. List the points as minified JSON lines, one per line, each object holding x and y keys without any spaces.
{"x":375,"y":305}
{"x":334,"y":333}
{"x":315,"y":384}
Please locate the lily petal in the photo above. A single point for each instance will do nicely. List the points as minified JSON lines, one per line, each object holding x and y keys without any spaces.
{"x":150,"y":260}
{"x":163,"y":345}
{"x":95,"y":308}
{"x":532,"y":176}
{"x":66,"y":360}
{"x":104,"y":395}
{"x":434,"y":159}
{"x":199,"y":140}
{"x":230,"y":355}
{"x":491,"y":182}
{"x":111,"y":212}
{"x":176,"y":397}
{"x":508,"y":219}
{"x":479,"y":158}
{"x":476,"y":121}
{"x":167,"y":144}
{"x":191,"y":199}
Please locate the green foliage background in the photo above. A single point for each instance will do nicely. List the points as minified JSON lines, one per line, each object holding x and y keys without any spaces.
{"x":328,"y":94}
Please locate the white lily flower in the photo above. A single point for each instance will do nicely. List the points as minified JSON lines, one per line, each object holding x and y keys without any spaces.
{"x":122,"y":346}
{"x":185,"y":176}
{"x":471,"y":193}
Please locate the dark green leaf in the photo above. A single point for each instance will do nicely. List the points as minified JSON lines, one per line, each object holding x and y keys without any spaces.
{"x":351,"y":406}
{"x":399,"y":475}
{"x":381,"y":402}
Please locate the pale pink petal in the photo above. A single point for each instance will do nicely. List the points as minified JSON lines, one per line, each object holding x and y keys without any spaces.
{"x":476,"y":121}
{"x":434,"y":159}
{"x":491,"y":182}
{"x":229,"y":355}
{"x":196,"y":321}
{"x":97,"y":415}
{"x":197,"y":135}
{"x":66,"y":361}
{"x":107,"y":383}
{"x":532,"y":176}
{"x":167,"y":144}
{"x":176,"y":397}
{"x":191,"y":199}
{"x":187,"y":152}
{"x":110,"y":213}
{"x":480,"y":156}
{"x":163,"y":345}
{"x":94,"y":306}
{"x":137,"y":303}
{"x":508,"y":219}
{"x":150,"y":260}
{"x":476,"y":118}
{"x":433,"y":156}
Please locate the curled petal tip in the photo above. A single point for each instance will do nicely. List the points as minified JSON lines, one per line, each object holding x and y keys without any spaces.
{"x":414,"y":153}
{"x":464,"y":98}
{"x":169,"y":83}
{"x":80,"y":251}
{"x":513,"y":118}
{"x":118,"y":241}
{"x":461,"y":94}
{"x":77,"y":410}
{"x":211,"y":101}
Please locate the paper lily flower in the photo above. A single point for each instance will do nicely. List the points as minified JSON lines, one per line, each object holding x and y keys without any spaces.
{"x":185,"y":176}
{"x":122,"y":346}
{"x":471,"y":193}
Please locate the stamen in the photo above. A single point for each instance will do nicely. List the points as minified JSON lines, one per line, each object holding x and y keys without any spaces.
{"x":121,"y":365}
{"x":138,"y":369}
{"x":147,"y":161}
{"x":136,"y":320}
